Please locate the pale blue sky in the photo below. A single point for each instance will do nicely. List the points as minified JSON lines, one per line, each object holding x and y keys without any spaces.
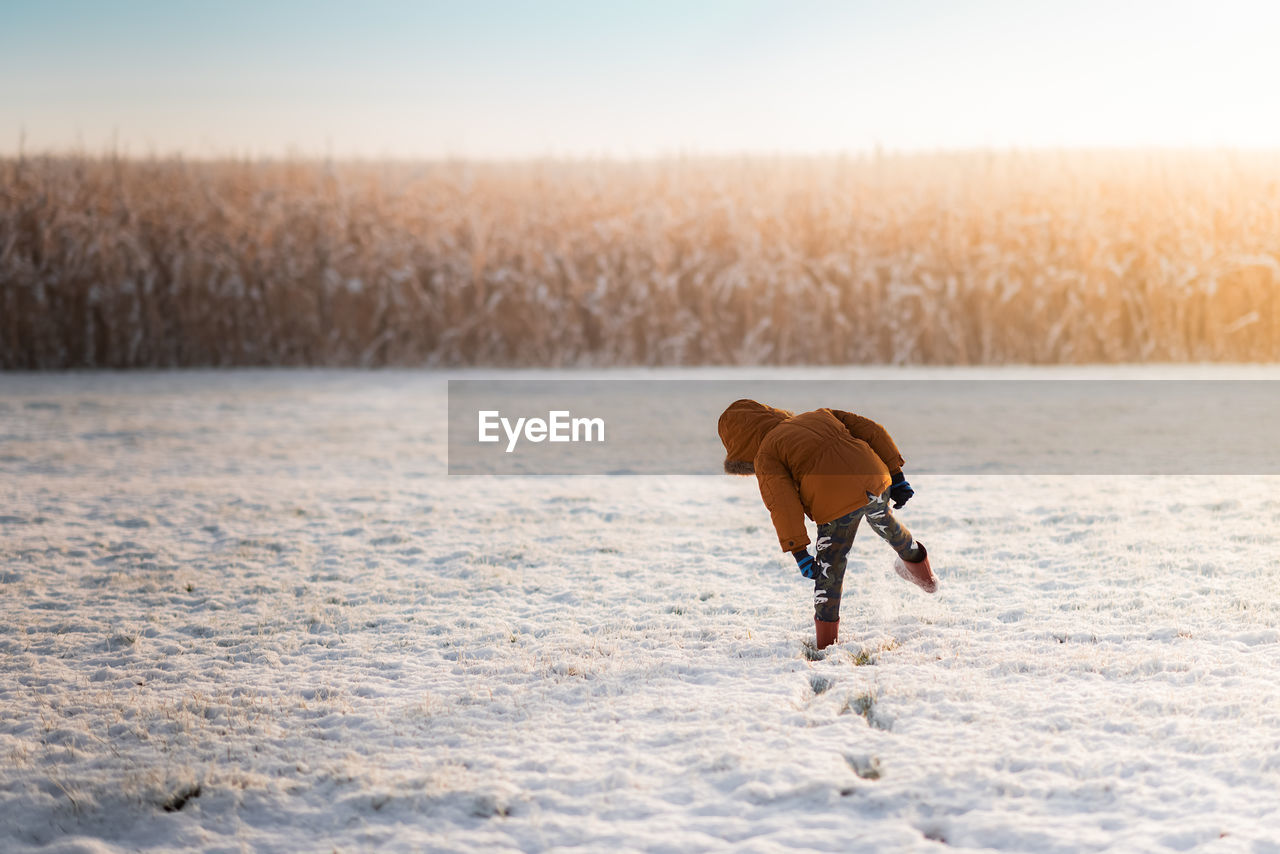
{"x":488,"y":78}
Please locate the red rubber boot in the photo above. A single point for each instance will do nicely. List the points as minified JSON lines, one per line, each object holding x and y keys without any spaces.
{"x":826,"y":632}
{"x":917,"y":572}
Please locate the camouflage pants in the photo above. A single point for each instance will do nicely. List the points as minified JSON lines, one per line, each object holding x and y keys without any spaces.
{"x":835,"y":538}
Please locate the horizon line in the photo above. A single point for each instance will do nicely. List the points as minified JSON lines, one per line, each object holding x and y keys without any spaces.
{"x":111,"y":154}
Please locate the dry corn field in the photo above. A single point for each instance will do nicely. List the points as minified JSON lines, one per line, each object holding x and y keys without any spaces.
{"x":936,"y":259}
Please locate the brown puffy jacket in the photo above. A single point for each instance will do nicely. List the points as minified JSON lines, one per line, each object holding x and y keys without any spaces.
{"x":822,"y":464}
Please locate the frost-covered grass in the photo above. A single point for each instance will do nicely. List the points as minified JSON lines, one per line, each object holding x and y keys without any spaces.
{"x":945,"y":258}
{"x":248,"y":612}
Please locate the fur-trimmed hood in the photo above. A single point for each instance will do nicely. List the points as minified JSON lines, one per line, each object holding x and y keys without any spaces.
{"x":742,"y":427}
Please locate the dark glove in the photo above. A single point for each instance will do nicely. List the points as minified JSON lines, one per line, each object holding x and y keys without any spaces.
{"x":900,"y":491}
{"x":804,"y":560}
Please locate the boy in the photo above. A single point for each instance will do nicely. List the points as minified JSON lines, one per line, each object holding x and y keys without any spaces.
{"x":834,"y":467}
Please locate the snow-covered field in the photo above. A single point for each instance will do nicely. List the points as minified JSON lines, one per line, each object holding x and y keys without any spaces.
{"x":247,"y":611}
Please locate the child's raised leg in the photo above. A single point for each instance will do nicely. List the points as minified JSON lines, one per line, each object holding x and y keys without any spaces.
{"x":890,"y":529}
{"x":913,"y":560}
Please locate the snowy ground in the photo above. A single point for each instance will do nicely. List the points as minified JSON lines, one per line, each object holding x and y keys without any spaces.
{"x":246,"y":611}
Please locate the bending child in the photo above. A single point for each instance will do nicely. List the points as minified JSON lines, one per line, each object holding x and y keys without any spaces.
{"x":834,"y":467}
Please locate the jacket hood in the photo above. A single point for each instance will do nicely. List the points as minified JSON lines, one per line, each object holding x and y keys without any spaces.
{"x":742,"y":427}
